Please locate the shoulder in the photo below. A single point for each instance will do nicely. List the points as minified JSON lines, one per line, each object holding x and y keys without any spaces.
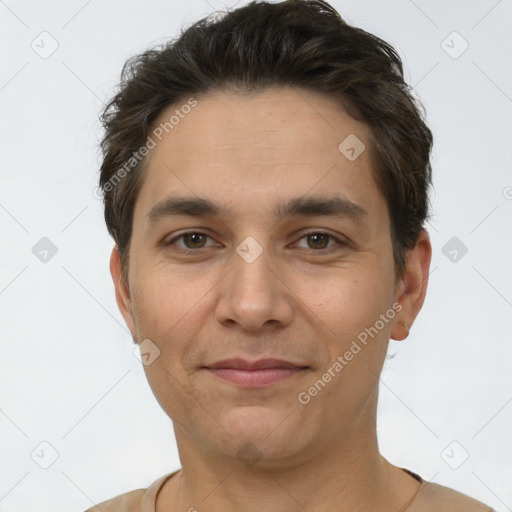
{"x":140,"y":500}
{"x":435,"y":497}
{"x":127,"y":502}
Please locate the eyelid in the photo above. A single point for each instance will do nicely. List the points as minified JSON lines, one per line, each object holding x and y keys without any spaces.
{"x":339,"y":240}
{"x":184,"y":233}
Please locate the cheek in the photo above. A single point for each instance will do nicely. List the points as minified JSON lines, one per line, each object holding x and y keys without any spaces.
{"x":344,"y":304}
{"x":156,"y":306}
{"x":349,"y":326}
{"x":166,"y":307}
{"x":167,"y":304}
{"x":349,"y":309}
{"x":149,"y":302}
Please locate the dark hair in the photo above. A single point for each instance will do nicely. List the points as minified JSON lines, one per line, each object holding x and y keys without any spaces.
{"x":297,"y":43}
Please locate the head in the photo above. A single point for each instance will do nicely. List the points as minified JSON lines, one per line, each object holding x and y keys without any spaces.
{"x":265,"y":180}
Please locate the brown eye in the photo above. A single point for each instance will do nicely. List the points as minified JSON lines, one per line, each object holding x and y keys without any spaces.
{"x":194,"y":240}
{"x":191,"y":240}
{"x":319,"y":240}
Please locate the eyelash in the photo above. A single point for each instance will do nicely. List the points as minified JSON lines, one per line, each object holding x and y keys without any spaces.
{"x":186,"y":250}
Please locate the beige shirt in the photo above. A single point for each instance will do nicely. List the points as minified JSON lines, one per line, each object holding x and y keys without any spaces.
{"x":430,"y":497}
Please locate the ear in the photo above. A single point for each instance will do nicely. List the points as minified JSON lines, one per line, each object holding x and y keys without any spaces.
{"x":412,"y":288}
{"x":123,"y":299}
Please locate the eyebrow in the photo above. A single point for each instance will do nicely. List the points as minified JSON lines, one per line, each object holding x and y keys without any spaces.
{"x":337,"y":207}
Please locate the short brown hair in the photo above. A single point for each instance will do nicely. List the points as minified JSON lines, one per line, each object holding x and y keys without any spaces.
{"x":298,"y":43}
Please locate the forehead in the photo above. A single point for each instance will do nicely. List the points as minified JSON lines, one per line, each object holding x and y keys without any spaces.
{"x":276,"y":122}
{"x":260,"y":148}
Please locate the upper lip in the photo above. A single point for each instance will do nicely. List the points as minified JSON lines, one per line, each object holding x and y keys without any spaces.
{"x":242,"y":364}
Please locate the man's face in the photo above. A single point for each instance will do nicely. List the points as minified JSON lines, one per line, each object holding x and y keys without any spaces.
{"x":247,"y":284}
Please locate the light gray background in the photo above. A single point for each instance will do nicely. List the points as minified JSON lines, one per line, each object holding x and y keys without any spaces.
{"x":68,"y":374}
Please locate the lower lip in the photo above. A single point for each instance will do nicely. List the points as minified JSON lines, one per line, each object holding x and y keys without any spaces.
{"x":255,"y":378}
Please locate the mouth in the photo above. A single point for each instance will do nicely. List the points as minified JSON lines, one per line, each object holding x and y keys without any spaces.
{"x":255,"y":374}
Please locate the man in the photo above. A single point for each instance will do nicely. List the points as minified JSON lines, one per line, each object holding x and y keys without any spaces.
{"x":265,"y":179}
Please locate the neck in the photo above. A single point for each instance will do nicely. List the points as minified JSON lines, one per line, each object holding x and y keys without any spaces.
{"x":345,"y":473}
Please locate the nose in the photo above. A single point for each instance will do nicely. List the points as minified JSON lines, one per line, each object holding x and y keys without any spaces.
{"x":254,"y":295}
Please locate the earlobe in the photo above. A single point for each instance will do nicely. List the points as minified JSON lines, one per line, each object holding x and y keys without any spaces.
{"x":413,"y":286}
{"x":400,"y":330}
{"x":122,"y":291}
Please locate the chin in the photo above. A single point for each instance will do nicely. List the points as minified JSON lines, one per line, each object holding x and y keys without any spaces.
{"x":272,"y":434}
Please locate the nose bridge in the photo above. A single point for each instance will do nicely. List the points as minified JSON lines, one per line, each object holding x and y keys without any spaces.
{"x":252,"y":295}
{"x":252,"y":267}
